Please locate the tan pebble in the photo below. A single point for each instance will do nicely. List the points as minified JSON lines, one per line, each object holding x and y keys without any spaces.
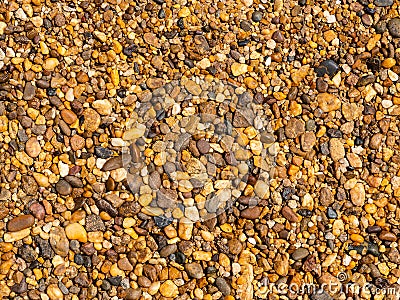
{"x":103,"y":107}
{"x":75,"y":231}
{"x":10,"y":237}
{"x":32,"y":147}
{"x":54,"y":292}
{"x":328,"y":102}
{"x":250,"y":82}
{"x":185,"y":229}
{"x":202,"y":255}
{"x":357,"y":194}
{"x":3,"y":123}
{"x":238,"y":69}
{"x":41,"y":180}
{"x":77,"y":142}
{"x":169,"y":289}
{"x":50,"y":64}
{"x":388,"y":63}
{"x":20,"y":222}
{"x":184,"y":12}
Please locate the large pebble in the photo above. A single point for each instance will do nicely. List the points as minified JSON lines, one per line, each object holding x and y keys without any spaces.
{"x":20,"y":222}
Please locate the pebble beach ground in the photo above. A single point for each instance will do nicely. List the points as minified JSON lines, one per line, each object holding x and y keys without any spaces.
{"x":199,"y":149}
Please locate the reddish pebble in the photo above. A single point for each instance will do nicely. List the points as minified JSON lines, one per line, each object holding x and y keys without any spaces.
{"x":37,"y":210}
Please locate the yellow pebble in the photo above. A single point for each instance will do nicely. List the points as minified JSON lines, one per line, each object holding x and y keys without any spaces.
{"x":357,"y":238}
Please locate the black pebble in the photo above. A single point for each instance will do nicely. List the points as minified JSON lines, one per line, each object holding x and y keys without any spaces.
{"x":331,"y":213}
{"x":121,"y":93}
{"x":257,"y":16}
{"x":102,"y":152}
{"x":162,"y":221}
{"x":115,"y":281}
{"x":51,"y":91}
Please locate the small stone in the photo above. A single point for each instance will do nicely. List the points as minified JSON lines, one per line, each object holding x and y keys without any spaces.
{"x":20,"y":223}
{"x":300,"y":253}
{"x":289,"y":214}
{"x":91,"y":120}
{"x":336,"y":149}
{"x":294,"y":128}
{"x":100,"y":35}
{"x":75,"y":231}
{"x":54,"y":292}
{"x":376,"y":141}
{"x":194,"y":270}
{"x":59,"y":20}
{"x":388,"y":62}
{"x":10,"y":237}
{"x":257,"y":16}
{"x":32,"y":147}
{"x":394,"y":27}
{"x":357,"y":194}
{"x":58,"y":241}
{"x":68,"y":116}
{"x":29,"y":91}
{"x":169,"y":289}
{"x":185,"y":229}
{"x":29,"y":185}
{"x":50,"y":64}
{"x":103,"y":107}
{"x":63,"y":187}
{"x":37,"y":210}
{"x":331,"y":213}
{"x":307,"y":141}
{"x":387,"y":236}
{"x":77,"y":142}
{"x":238,"y":69}
{"x":192,"y":87}
{"x":223,"y":286}
{"x":328,"y":102}
{"x":251,"y":213}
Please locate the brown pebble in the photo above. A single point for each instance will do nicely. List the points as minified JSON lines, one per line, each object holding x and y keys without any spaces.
{"x":20,"y":222}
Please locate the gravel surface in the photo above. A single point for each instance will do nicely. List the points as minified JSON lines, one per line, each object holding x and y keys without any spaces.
{"x":199,"y":150}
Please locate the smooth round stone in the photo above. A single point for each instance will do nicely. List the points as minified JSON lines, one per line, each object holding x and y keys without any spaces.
{"x":63,"y":188}
{"x":257,"y":16}
{"x":20,"y":222}
{"x":300,"y":253}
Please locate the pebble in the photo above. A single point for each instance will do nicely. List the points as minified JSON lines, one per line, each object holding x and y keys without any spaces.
{"x":328,"y":102}
{"x":21,"y":222}
{"x":393,"y":26}
{"x":32,"y":147}
{"x":76,"y":231}
{"x":169,"y":289}
{"x":300,"y":253}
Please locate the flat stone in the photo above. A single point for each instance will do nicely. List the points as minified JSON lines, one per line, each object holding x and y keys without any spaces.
{"x":29,"y":91}
{"x":300,"y":253}
{"x":357,"y":194}
{"x":194,"y":270}
{"x":59,"y":241}
{"x":336,"y":149}
{"x":328,"y":102}
{"x":251,"y":213}
{"x":32,"y":147}
{"x":20,"y":223}
{"x":394,"y":27}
